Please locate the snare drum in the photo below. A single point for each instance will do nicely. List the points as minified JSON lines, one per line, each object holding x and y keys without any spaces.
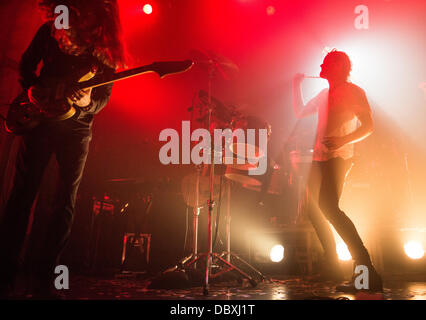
{"x":242,"y":176}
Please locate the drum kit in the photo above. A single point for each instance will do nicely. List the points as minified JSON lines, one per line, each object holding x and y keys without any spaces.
{"x":203,"y":188}
{"x":209,"y":183}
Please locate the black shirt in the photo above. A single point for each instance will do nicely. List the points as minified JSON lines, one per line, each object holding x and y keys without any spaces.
{"x":57,"y":64}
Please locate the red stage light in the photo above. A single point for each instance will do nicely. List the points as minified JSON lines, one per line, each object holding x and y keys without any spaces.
{"x":147,"y":8}
{"x":270,"y":10}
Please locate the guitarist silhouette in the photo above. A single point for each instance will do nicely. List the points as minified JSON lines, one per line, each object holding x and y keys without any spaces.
{"x":54,"y":115}
{"x":92,"y":43}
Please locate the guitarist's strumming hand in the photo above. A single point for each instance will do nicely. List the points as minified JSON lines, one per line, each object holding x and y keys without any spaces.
{"x":80,"y":98}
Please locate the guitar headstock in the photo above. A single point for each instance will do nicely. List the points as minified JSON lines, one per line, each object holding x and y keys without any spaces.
{"x":165,"y":68}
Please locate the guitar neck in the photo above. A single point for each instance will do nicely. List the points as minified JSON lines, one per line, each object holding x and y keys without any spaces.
{"x":93,"y":83}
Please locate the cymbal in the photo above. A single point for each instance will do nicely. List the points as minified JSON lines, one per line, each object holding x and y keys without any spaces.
{"x":224,"y":66}
{"x":223,"y":61}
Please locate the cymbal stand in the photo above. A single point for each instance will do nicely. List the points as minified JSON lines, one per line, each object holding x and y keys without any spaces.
{"x":195,"y":256}
{"x":210,"y":203}
{"x":210,"y":254}
{"x":228,"y":252}
{"x":196,"y":213}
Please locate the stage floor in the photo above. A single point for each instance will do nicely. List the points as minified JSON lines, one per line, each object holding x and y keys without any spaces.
{"x":279,"y":288}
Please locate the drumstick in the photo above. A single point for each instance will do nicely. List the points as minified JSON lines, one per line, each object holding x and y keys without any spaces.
{"x":312,"y":77}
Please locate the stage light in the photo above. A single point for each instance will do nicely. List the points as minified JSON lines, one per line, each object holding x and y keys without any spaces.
{"x":276,"y":253}
{"x":343,"y":252}
{"x":147,"y":8}
{"x":270,"y":10}
{"x":414,"y":250}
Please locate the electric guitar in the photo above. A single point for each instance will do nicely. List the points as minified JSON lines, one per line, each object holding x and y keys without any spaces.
{"x":23,"y":115}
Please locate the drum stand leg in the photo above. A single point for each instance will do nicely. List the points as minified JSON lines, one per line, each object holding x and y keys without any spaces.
{"x":224,"y":258}
{"x":194,"y":254}
{"x":196,"y":213}
{"x":302,"y":200}
{"x":228,"y":252}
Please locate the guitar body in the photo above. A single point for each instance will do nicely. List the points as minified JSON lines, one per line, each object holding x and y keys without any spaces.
{"x":23,"y":115}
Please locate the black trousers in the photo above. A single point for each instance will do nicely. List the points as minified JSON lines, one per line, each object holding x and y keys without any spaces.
{"x":70,"y":144}
{"x":325,"y":186}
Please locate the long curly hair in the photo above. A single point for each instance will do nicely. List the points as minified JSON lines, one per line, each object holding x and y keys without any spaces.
{"x":94,"y":24}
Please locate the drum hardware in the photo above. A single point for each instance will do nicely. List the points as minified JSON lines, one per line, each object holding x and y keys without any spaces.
{"x":245,"y":123}
{"x":222,"y":113}
{"x":195,"y":187}
{"x":224,"y":257}
{"x":241,"y":176}
{"x":301,"y":163}
{"x":188,"y":191}
{"x":214,"y":65}
{"x":274,"y":186}
{"x":247,"y":162}
{"x":240,"y":172}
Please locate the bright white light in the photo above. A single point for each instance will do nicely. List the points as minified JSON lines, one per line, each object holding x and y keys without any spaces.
{"x":277,"y":253}
{"x":343,"y":252}
{"x":147,"y":9}
{"x":414,"y":250}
